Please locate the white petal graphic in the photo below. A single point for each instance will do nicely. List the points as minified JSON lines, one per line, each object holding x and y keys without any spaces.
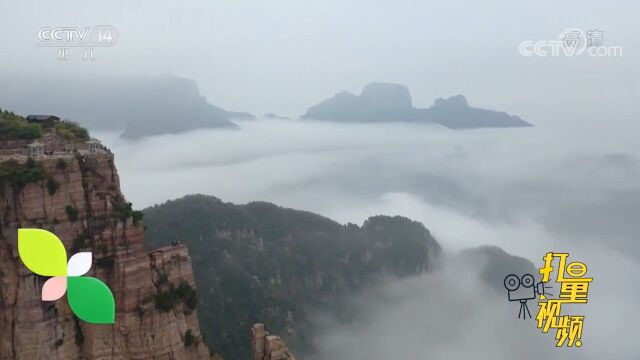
{"x":79,"y":264}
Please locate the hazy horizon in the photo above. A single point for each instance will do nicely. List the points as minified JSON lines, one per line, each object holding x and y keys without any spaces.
{"x":284,"y":56}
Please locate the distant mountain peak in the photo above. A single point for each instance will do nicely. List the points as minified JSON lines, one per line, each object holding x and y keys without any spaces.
{"x":141,"y":106}
{"x":456,"y":101}
{"x":378,"y":102}
{"x":388,"y":102}
{"x":387,"y":96}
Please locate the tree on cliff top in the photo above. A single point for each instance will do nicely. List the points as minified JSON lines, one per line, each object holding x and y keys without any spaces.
{"x":14,"y":126}
{"x":72,"y":131}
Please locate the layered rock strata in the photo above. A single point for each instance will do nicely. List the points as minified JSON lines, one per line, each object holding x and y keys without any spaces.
{"x":75,"y":193}
{"x":268,"y":347}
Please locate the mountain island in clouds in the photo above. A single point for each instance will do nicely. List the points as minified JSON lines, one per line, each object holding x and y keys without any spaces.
{"x":382,"y":102}
{"x":141,"y":106}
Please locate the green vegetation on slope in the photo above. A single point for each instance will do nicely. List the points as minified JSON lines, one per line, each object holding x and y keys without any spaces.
{"x":14,"y":126}
{"x":72,"y":131}
{"x":18,"y":175}
{"x":168,"y":299}
{"x":263,"y":263}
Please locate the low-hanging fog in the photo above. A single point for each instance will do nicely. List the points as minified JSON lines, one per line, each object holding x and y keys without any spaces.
{"x":567,"y":188}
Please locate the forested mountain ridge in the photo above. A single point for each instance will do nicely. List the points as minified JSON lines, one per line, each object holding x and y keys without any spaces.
{"x":263,"y":263}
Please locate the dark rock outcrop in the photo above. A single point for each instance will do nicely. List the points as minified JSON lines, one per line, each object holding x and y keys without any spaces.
{"x":455,"y":113}
{"x":265,"y":346}
{"x":380,"y":102}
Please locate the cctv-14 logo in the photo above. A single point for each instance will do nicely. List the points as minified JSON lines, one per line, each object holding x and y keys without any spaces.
{"x":44,"y":254}
{"x":574,"y":288}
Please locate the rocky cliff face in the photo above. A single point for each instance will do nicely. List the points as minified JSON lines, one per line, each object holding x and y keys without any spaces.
{"x":265,"y":346}
{"x":76,"y":195}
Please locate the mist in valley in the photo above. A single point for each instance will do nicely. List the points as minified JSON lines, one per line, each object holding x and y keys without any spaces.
{"x":528,"y":191}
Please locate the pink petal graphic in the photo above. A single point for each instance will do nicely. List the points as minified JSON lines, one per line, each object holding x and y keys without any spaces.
{"x":54,"y":288}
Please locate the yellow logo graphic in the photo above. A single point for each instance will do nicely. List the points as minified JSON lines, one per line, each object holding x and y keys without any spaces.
{"x":574,"y":288}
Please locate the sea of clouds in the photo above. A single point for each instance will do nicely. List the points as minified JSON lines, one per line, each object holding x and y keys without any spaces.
{"x":563,"y":187}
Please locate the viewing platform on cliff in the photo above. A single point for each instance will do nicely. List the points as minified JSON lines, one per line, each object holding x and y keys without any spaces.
{"x":42,"y":137}
{"x":166,"y":252}
{"x":49,"y":146}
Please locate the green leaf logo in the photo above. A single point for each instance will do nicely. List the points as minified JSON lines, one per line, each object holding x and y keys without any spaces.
{"x":89,"y":298}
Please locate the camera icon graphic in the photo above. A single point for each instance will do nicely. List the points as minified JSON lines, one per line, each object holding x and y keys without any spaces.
{"x":523,"y":289}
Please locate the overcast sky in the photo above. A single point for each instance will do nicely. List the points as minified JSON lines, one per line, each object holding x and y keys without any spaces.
{"x":285,"y":55}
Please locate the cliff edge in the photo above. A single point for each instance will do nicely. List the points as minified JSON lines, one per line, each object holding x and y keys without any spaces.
{"x":54,"y":177}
